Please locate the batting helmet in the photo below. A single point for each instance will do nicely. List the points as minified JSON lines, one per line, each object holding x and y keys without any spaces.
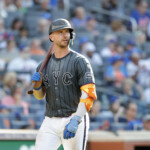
{"x":59,"y":24}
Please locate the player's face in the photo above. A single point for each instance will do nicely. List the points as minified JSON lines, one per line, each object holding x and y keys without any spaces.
{"x":61,"y":37}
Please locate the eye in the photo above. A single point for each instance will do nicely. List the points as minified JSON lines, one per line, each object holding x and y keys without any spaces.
{"x":67,"y":31}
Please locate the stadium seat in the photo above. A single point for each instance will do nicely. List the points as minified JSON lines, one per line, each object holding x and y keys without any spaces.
{"x":119,"y":126}
{"x":31,"y":24}
{"x":38,"y":124}
{"x":37,"y":58}
{"x":35,"y":117}
{"x":5,"y":120}
{"x":146,"y":47}
{"x":95,"y":125}
{"x":141,"y":108}
{"x":35,"y":108}
{"x":77,"y":2}
{"x":104,"y":28}
{"x":60,"y":14}
{"x":91,"y":7}
{"x":16,"y":109}
{"x":124,"y":37}
{"x":105,"y":116}
{"x":128,"y":7}
{"x":15,"y":124}
{"x":146,"y":111}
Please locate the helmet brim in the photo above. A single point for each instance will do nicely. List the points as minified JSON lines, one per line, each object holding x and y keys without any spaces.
{"x":71,"y":29}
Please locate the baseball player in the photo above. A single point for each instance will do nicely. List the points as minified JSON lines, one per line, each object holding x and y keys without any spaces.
{"x":68,"y":84}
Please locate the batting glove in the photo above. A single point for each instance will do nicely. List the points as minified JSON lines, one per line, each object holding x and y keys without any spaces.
{"x":71,"y":127}
{"x":37,"y":77}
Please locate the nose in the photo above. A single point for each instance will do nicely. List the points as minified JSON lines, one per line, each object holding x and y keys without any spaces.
{"x":64,"y":34}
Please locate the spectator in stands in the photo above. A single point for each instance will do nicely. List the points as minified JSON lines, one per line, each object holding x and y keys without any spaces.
{"x":133,"y":66}
{"x":131,"y":48}
{"x":35,"y":47}
{"x":82,"y":43}
{"x":10,"y":79}
{"x":120,"y":50}
{"x":112,"y":6}
{"x":44,"y":5}
{"x":8,"y":5}
{"x":19,"y":6}
{"x":146,"y":122}
{"x":130,"y":116}
{"x":5,"y":121}
{"x":2,"y":64}
{"x":92,"y":26}
{"x":137,"y":70}
{"x":22,"y":38}
{"x":116,"y":71}
{"x":47,"y":16}
{"x":110,"y":50}
{"x":16,"y":99}
{"x":141,"y":15}
{"x":95,"y":110}
{"x":2,"y":26}
{"x":16,"y":25}
{"x":118,"y":26}
{"x":131,"y":90}
{"x":140,"y":38}
{"x":23,"y":64}
{"x":115,"y":107}
{"x":43,"y":26}
{"x":61,"y":9}
{"x":3,"y":43}
{"x":93,"y":57}
{"x":10,"y":52}
{"x":147,"y":93}
{"x":36,"y":2}
{"x":144,"y":72}
{"x":80,"y":19}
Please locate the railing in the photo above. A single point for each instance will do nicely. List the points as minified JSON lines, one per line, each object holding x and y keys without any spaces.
{"x":121,"y":16}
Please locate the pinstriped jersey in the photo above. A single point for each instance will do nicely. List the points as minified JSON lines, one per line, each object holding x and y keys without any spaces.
{"x":62,"y":78}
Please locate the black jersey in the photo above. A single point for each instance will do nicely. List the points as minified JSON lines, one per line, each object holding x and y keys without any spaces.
{"x":62,"y":78}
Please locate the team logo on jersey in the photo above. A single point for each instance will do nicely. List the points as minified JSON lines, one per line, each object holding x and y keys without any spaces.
{"x":65,"y":78}
{"x":88,"y":74}
{"x":55,"y":76}
{"x":46,"y":81}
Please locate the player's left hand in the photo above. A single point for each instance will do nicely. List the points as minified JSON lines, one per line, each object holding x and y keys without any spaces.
{"x":71,"y":127}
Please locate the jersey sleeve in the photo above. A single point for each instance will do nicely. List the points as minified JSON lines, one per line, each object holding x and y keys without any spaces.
{"x":84,"y":72}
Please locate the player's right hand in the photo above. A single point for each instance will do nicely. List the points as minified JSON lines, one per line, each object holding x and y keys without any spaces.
{"x":71,"y":127}
{"x":37,"y":77}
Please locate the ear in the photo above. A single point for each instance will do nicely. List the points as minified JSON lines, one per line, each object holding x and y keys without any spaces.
{"x":51,"y":37}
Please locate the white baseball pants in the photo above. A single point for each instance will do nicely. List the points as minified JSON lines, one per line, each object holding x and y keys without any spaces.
{"x":50,"y":135}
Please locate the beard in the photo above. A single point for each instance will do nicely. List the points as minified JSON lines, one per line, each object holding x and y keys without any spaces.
{"x":63,"y":44}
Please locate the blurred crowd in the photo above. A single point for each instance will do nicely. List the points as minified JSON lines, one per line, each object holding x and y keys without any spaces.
{"x":118,"y":52}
